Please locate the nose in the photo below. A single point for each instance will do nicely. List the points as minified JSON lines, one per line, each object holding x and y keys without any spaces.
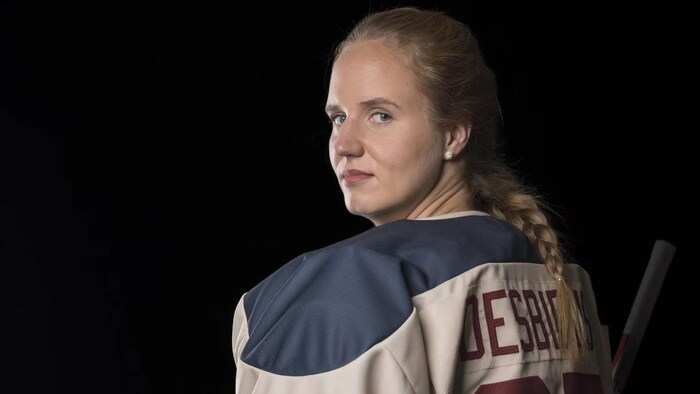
{"x":345,"y":141}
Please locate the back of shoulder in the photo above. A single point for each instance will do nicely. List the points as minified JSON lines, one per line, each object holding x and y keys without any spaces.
{"x":323,"y":310}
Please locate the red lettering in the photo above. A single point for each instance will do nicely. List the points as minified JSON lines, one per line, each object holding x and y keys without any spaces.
{"x":465,"y":355}
{"x":529,"y":345}
{"x":549,"y":321}
{"x":536,"y":319}
{"x":492,"y":323}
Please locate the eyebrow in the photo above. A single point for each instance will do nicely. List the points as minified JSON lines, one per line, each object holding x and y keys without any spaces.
{"x":368,"y":103}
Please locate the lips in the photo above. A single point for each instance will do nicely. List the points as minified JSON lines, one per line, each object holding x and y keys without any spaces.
{"x":352,"y":177}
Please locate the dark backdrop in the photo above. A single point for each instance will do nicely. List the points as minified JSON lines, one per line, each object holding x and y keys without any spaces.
{"x":158,"y":160}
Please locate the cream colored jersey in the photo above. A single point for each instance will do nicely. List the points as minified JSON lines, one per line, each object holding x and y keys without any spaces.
{"x":453,"y":305}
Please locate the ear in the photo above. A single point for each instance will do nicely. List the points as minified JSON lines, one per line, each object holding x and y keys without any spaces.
{"x":456,"y":138}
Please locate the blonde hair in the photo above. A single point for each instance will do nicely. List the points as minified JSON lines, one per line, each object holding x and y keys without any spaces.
{"x":450,"y":70}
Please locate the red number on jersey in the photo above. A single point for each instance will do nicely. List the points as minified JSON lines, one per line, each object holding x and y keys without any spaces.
{"x":574,"y":383}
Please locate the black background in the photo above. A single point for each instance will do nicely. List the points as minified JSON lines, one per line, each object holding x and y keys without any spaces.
{"x":158,"y":160}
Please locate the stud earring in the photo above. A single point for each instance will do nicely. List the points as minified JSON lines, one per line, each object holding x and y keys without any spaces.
{"x":449,"y":155}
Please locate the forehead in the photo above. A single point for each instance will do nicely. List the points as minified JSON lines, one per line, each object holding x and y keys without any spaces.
{"x":371,"y":69}
{"x":369,"y":52}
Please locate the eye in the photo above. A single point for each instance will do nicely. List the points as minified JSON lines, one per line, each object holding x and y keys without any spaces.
{"x":337,"y":119}
{"x":381,"y":117}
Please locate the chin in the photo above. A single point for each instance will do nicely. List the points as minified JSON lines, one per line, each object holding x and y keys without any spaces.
{"x":371,"y":215}
{"x":354,"y":210}
{"x":357,"y":210}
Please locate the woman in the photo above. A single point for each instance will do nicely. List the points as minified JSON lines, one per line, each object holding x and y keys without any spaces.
{"x":461,"y":285}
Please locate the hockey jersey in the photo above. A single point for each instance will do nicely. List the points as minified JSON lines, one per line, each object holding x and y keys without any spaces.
{"x":455,"y":304}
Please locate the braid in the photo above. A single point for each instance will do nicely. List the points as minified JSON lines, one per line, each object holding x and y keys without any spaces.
{"x":505,"y":197}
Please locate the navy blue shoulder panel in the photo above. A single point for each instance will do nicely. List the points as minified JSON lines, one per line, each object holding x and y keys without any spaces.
{"x":325,"y":308}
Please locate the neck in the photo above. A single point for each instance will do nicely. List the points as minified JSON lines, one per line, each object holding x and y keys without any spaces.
{"x":451,"y":199}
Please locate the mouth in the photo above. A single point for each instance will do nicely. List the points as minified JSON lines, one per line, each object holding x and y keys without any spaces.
{"x":353,"y":177}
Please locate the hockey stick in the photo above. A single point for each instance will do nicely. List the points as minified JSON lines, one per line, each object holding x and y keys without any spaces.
{"x":637,"y":321}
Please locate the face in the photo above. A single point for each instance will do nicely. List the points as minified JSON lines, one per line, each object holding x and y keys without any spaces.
{"x":383,"y":149}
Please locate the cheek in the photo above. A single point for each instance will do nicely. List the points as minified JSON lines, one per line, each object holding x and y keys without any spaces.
{"x":423,"y":161}
{"x":407,"y":157}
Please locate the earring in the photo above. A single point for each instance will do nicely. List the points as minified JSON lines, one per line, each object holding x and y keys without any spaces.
{"x":449,"y":155}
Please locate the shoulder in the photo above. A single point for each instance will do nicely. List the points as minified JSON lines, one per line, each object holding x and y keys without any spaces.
{"x":324,"y":309}
{"x":442,"y":249}
{"x":327,"y":307}
{"x":408,"y":249}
